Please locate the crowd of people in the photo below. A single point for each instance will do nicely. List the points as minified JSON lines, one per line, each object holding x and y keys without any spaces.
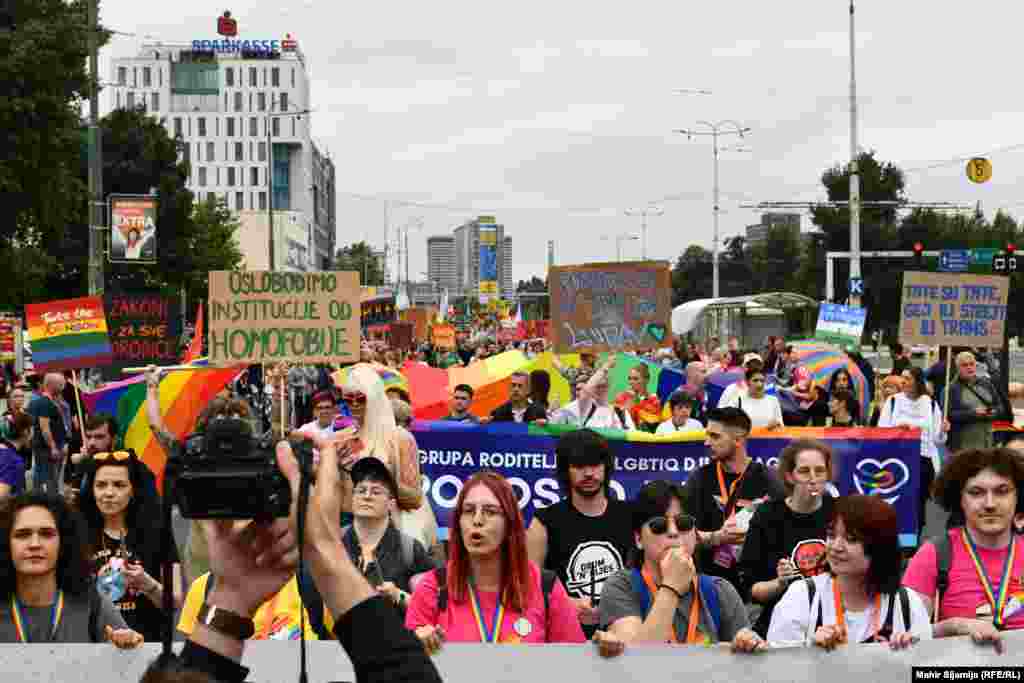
{"x":740,"y":553}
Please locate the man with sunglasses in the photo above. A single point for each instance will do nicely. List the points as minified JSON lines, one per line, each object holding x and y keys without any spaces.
{"x":662,"y":598}
{"x":587,"y":536}
{"x":722,"y":494}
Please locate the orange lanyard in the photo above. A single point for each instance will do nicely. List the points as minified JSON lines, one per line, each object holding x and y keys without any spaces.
{"x":726,"y":495}
{"x":691,"y":628}
{"x":837,"y":601}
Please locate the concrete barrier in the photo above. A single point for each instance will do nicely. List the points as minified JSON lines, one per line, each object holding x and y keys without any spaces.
{"x":277,"y":662}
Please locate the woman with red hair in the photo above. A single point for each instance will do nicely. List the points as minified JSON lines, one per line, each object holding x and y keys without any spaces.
{"x":490,"y":592}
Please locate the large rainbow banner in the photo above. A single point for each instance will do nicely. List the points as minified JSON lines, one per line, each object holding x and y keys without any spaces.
{"x":70,"y":333}
{"x":883,"y":462}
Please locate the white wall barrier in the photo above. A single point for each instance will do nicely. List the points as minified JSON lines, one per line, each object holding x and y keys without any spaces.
{"x":277,"y":662}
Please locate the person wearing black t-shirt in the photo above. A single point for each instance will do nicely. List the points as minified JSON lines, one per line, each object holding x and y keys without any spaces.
{"x":587,"y":537}
{"x":786,"y":540}
{"x":722,"y":494}
{"x":123,"y":516}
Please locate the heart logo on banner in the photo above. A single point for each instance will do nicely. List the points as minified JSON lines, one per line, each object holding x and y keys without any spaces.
{"x":874,"y":478}
{"x":657,"y":331}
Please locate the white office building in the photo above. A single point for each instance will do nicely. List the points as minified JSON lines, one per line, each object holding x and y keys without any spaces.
{"x":221,"y":103}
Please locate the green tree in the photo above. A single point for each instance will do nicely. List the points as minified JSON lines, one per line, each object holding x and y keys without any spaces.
{"x":42,"y":67}
{"x":214,"y":242}
{"x":534,"y":284}
{"x":776,"y":260}
{"x":691,"y":275}
{"x":360,"y":258}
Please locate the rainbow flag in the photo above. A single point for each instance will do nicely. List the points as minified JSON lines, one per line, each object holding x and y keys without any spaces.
{"x":69,"y":333}
{"x":183,"y":395}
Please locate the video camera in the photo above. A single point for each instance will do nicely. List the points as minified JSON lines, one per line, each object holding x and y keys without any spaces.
{"x":228,"y":473}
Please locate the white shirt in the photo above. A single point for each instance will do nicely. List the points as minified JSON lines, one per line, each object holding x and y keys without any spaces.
{"x":731,"y":392}
{"x":315,"y":428}
{"x":923,"y":413}
{"x":795,"y":620}
{"x":669,"y":427}
{"x":763,"y":412}
{"x":603,"y":417}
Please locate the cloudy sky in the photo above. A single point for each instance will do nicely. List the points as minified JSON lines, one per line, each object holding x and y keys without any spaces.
{"x":558,"y":116}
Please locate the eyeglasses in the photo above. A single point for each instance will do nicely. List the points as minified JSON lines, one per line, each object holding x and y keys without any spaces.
{"x":116,"y":455}
{"x":488,"y":511}
{"x":354,"y":399}
{"x":659,"y":525}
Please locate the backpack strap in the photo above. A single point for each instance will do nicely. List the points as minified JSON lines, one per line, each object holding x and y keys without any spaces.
{"x":943,"y":560}
{"x":709,"y":596}
{"x":812,"y":590}
{"x":547,"y":584}
{"x":441,"y":576}
{"x":593,"y":409}
{"x":408,"y":549}
{"x":622,"y":417}
{"x":640,"y":591}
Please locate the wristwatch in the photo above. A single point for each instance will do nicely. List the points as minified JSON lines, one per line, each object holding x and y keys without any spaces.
{"x":228,"y":623}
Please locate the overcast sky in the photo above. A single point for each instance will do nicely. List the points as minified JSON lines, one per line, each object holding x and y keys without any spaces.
{"x":557,"y":116}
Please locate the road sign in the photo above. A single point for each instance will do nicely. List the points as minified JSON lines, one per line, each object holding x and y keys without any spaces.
{"x":983,"y":256}
{"x":954,"y":260}
{"x":856,"y":286}
{"x":979,"y":170}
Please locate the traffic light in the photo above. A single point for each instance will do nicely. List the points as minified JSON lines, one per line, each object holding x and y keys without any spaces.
{"x":1011,"y":258}
{"x":918,"y":255}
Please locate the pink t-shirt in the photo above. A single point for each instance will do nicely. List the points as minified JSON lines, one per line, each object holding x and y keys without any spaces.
{"x":965,"y":596}
{"x":459,"y":624}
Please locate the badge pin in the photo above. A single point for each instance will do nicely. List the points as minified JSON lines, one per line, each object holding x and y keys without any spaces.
{"x":523,"y":626}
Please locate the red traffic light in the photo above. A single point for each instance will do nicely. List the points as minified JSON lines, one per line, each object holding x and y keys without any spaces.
{"x":1011,"y":248}
{"x":918,"y":247}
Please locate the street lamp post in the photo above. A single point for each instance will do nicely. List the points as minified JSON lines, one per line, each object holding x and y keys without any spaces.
{"x":619,"y":239}
{"x":270,"y":179}
{"x":854,"y":167}
{"x":644,"y":213}
{"x":727,"y":127}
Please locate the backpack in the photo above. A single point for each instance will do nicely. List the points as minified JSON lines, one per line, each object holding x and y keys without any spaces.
{"x":547,"y":584}
{"x":705,"y":585}
{"x":943,"y":560}
{"x":886,"y":629}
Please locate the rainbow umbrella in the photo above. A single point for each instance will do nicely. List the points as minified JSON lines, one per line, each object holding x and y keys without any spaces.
{"x":822,"y":360}
{"x":392,"y":379}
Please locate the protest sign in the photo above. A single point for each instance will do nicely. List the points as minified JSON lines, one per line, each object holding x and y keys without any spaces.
{"x":259,"y":316}
{"x":144,"y":330}
{"x":869,"y":461}
{"x":8,"y":338}
{"x":953,"y":309}
{"x":443,"y":336}
{"x":68,"y":334}
{"x":611,"y":306}
{"x":840,"y":325}
{"x":401,"y":335}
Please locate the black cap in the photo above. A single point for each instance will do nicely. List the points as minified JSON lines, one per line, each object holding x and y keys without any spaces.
{"x":374,"y":469}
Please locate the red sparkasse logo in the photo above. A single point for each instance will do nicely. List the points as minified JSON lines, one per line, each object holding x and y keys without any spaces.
{"x":226,"y":25}
{"x":289,"y":44}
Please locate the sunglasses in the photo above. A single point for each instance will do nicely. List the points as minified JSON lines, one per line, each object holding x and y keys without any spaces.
{"x":354,"y":399}
{"x":659,"y":525}
{"x":116,"y":455}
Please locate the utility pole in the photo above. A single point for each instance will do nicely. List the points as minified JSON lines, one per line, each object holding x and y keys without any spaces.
{"x":855,"y":272}
{"x":270,"y":193}
{"x":714,"y":130}
{"x":97,"y":209}
{"x":644,"y":213}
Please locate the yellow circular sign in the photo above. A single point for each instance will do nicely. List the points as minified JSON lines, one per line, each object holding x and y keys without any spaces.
{"x":979,"y":170}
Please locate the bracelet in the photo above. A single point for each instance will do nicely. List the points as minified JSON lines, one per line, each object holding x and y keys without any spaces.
{"x":665,"y":585}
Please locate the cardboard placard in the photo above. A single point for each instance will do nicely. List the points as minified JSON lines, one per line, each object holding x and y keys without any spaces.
{"x":263,"y":316}
{"x":68,"y":334}
{"x":443,"y":336}
{"x":144,"y":330}
{"x":953,"y":309}
{"x":611,"y":306}
{"x":840,"y":325}
{"x":401,"y":335}
{"x":8,"y":338}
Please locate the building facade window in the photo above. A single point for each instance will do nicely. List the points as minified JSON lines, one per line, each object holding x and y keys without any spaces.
{"x":263,"y":201}
{"x":275,"y":127}
{"x":284,"y":101}
{"x":117,"y":97}
{"x":129,"y":100}
{"x":229,"y":77}
{"x":231,"y":176}
{"x":239,"y":201}
{"x":261,"y":101}
{"x":201,"y":125}
{"x":293,"y":76}
{"x":254,"y":126}
{"x":254,"y":176}
{"x":211,"y":152}
{"x":156,"y":101}
{"x":262,"y":151}
{"x":238,"y":101}
{"x":122,"y":75}
{"x":275,"y":77}
{"x":147,"y":77}
{"x":230,"y":127}
{"x":202,"y":176}
{"x":252,"y":77}
{"x":239,"y":151}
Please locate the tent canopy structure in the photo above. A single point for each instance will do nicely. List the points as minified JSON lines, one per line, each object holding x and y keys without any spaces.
{"x":686,"y":316}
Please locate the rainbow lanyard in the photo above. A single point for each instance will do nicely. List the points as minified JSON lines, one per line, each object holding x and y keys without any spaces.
{"x":56,"y":610}
{"x":487,"y":635}
{"x":998,"y":602}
